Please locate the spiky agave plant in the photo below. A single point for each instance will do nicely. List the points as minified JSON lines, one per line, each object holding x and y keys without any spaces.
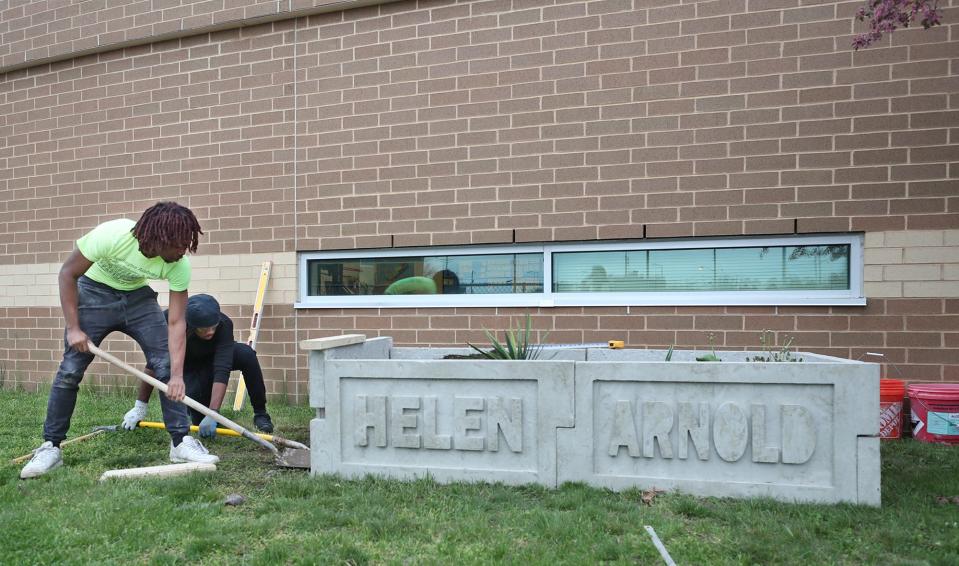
{"x":516,"y":347}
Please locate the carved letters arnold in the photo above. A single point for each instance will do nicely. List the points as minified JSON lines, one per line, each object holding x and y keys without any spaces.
{"x":646,"y":426}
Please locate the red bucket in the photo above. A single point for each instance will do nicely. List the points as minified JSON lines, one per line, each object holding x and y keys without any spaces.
{"x":891,"y":394}
{"x":935,"y":412}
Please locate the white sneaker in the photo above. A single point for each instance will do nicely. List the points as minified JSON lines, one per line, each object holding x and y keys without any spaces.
{"x":45,"y":458}
{"x":190,"y":450}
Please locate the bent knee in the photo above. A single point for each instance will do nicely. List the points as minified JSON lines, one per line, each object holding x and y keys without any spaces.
{"x":243,"y":350}
{"x":243,"y":355}
{"x":71,"y":371}
{"x":68,"y":379}
{"x":160,"y":365}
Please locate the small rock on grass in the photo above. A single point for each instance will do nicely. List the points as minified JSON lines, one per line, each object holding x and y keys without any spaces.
{"x":234,"y":499}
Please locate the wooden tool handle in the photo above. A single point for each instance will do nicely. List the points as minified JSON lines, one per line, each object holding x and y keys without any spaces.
{"x":186,"y":400}
{"x":26,"y":457}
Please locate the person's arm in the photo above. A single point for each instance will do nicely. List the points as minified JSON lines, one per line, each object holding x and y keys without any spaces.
{"x":176,"y":330}
{"x":222,"y":361}
{"x":222,"y":364}
{"x":208,"y":424}
{"x":75,"y":266}
{"x":145,"y":390}
{"x":217,"y":395}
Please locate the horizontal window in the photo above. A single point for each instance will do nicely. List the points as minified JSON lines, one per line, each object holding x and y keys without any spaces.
{"x":480,"y":274}
{"x":822,"y":267}
{"x":792,"y":270}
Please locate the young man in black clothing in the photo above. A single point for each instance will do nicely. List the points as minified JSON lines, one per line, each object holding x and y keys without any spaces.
{"x":211,"y":354}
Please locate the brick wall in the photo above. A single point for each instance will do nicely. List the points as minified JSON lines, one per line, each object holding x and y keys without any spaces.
{"x":444,"y":122}
{"x":32,"y":33}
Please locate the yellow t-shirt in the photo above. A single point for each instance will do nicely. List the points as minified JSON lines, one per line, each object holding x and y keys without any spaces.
{"x":117,"y":260}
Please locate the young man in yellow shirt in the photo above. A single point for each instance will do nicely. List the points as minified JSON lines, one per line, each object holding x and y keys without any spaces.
{"x":103,"y":288}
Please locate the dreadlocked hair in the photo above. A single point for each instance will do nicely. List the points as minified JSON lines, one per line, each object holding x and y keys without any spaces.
{"x":167,"y":224}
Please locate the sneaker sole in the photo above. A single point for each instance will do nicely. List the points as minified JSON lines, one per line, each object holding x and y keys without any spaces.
{"x":176,"y":460}
{"x":38,"y":474}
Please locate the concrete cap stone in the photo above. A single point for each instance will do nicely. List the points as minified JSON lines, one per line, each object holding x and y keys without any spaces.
{"x":332,"y":342}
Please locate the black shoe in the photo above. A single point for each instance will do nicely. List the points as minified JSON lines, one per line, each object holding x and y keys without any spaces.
{"x":263,"y":423}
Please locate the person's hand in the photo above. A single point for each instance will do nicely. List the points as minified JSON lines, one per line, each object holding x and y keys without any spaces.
{"x":135,"y":415}
{"x":175,"y":389}
{"x":208,"y":427}
{"x":77,"y":339}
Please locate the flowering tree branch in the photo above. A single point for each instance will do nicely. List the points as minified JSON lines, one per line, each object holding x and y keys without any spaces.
{"x":886,"y":15}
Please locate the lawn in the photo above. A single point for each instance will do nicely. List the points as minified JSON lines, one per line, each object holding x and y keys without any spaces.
{"x":68,"y":517}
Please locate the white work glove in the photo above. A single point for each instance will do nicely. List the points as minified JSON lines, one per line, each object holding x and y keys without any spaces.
{"x":135,"y":415}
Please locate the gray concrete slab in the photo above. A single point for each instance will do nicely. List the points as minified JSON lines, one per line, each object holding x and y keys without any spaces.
{"x":449,"y":419}
{"x":790,"y":431}
{"x":613,"y":418}
{"x":372,"y":349}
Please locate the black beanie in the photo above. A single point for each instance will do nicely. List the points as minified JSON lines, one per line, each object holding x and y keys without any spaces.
{"x":202,"y":311}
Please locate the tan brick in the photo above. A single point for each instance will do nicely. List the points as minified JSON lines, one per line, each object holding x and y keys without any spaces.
{"x":932,"y":272}
{"x":913,"y":255}
{"x":883,"y":256}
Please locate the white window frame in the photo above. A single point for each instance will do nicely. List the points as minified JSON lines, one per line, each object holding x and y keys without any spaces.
{"x":854,"y":296}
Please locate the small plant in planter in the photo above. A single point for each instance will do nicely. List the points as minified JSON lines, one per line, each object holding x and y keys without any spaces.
{"x":782,"y":354}
{"x":710,"y":357}
{"x":516,"y":347}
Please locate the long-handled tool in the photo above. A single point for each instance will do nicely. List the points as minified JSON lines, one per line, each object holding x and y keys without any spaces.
{"x":156,"y":383}
{"x":291,"y":457}
{"x":96,"y":432}
{"x":193,"y":428}
{"x":276,"y":439}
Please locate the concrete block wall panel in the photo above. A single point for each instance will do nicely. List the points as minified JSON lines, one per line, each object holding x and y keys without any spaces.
{"x":534,"y":399}
{"x":412,"y":123}
{"x":806,"y":432}
{"x":623,"y":407}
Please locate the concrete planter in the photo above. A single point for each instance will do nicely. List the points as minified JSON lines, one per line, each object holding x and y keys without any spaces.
{"x":613,"y":418}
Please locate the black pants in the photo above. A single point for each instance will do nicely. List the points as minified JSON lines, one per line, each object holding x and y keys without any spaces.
{"x":102,"y":310}
{"x":199,"y":380}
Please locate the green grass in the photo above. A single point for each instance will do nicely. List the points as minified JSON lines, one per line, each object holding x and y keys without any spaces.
{"x":68,"y":517}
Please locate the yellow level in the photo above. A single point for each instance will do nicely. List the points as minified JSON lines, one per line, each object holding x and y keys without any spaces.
{"x":612,"y":344}
{"x":254,"y":328}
